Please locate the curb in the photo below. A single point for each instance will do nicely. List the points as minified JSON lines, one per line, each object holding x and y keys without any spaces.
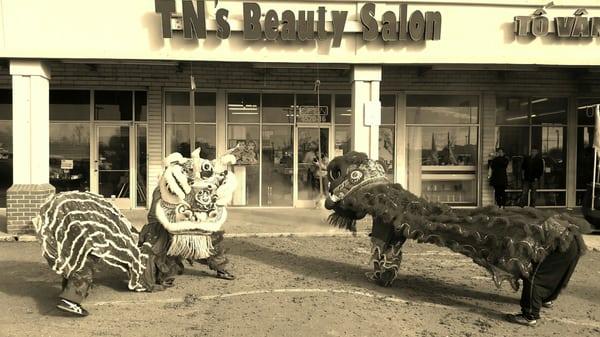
{"x":32,"y":238}
{"x":17,"y":238}
{"x":299,"y":235}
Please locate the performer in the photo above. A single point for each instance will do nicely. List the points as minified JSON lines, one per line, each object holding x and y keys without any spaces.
{"x":186,"y":215}
{"x":540,"y":248}
{"x":78,"y":230}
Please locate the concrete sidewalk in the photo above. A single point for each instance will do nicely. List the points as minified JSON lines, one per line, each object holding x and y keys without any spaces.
{"x":272,"y":222}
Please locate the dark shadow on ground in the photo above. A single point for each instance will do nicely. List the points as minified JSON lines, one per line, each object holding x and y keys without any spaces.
{"x":414,"y":287}
{"x":37,"y":281}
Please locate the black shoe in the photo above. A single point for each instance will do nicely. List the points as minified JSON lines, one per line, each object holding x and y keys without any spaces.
{"x":548,"y":304}
{"x":521,"y":319}
{"x":223,"y":274}
{"x":72,"y":307}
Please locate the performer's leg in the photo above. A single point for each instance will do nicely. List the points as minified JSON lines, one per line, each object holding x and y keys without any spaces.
{"x":218,"y":261}
{"x":387,"y":253}
{"x":75,"y":289}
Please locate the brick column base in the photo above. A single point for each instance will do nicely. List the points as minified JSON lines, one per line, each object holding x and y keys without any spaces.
{"x":23,"y":203}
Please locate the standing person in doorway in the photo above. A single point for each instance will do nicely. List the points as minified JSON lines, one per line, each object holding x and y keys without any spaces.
{"x":498,"y":179}
{"x":532,"y":170}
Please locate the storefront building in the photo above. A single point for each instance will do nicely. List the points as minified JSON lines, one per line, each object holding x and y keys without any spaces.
{"x":95,"y":99}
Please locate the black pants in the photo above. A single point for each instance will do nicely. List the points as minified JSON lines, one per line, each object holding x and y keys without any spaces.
{"x":549,"y":277}
{"x":529,"y":192}
{"x":76,"y":287}
{"x":500,"y":195}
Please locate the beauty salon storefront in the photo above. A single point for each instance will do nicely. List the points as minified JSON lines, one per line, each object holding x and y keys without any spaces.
{"x":430,"y":88}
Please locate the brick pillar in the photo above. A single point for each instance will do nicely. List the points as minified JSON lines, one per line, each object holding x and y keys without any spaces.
{"x":23,"y":203}
{"x":31,"y":147}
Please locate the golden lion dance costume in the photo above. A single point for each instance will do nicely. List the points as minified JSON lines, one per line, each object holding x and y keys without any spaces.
{"x":79,"y":230}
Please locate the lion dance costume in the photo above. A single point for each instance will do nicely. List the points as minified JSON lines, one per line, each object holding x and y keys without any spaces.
{"x":186,"y":215}
{"x":79,"y":230}
{"x":539,"y":248}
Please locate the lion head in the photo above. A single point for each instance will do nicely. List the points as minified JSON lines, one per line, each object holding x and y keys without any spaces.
{"x":193,"y":193}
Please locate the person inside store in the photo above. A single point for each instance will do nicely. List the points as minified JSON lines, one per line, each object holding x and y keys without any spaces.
{"x":531,"y":172}
{"x":498,"y":178}
{"x":319,"y":171}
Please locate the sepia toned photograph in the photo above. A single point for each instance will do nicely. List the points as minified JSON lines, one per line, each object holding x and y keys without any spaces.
{"x":200,"y":168}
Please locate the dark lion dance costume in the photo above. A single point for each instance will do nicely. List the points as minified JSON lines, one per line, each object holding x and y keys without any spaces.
{"x":541,"y":249}
{"x":79,"y":230}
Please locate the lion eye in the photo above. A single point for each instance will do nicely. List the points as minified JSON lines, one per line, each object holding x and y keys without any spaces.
{"x":356,"y":176}
{"x":335,"y":173}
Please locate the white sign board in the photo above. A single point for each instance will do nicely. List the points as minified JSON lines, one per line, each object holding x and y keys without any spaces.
{"x":66,"y":164}
{"x":373,"y":113}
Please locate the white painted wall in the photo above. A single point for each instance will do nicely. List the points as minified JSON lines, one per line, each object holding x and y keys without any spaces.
{"x":475,"y":32}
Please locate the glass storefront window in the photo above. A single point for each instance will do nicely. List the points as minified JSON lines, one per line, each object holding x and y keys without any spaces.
{"x":442,"y":163}
{"x":180,"y":136}
{"x":552,"y":143}
{"x":177,"y":107}
{"x":69,"y":105}
{"x":206,"y":107}
{"x":512,"y":111}
{"x":515,"y":142}
{"x":549,"y":110}
{"x":342,"y":140}
{"x":246,"y":169}
{"x":177,"y":139}
{"x":277,"y":165}
{"x":141,"y":106}
{"x":343,"y":108}
{"x":70,"y":156}
{"x":386,"y":149}
{"x":442,"y":160}
{"x":278,"y":108}
{"x":442,"y":109}
{"x":113,"y":105}
{"x":586,"y":109}
{"x":142,"y":165}
{"x":541,"y":125}
{"x":243,"y":107}
{"x":388,"y":109}
{"x":6,"y":155}
{"x":206,"y":136}
{"x":306,"y":108}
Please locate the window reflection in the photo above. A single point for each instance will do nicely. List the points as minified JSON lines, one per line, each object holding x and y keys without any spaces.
{"x":246,"y":169}
{"x":113,"y":105}
{"x":277,"y":165}
{"x":177,"y":139}
{"x":70,"y":156}
{"x":542,"y":126}
{"x":442,"y":159}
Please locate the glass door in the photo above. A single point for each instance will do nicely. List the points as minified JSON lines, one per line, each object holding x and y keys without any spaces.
{"x":113,"y":164}
{"x":310,"y":165}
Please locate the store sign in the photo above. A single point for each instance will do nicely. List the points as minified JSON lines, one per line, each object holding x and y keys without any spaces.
{"x":576,"y":26}
{"x":300,"y":26}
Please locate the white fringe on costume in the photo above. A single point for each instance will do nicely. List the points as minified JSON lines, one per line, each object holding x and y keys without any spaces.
{"x":191,"y":246}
